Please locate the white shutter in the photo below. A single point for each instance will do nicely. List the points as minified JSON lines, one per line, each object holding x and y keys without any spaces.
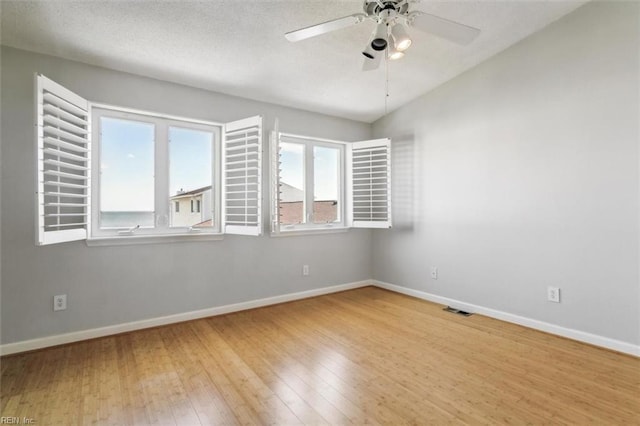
{"x":242,"y":177}
{"x":369,"y":165}
{"x":63,"y":164}
{"x":274,"y":150}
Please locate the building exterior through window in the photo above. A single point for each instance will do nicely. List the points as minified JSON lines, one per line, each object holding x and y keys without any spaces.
{"x":292,"y":206}
{"x":189,"y":209}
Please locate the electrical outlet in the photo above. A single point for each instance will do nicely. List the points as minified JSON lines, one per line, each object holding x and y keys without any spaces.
{"x":60,"y":302}
{"x":553,"y":294}
{"x":305,"y":270}
{"x":434,"y":272}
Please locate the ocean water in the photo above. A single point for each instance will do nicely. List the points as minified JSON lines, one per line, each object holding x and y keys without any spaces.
{"x":125,"y":219}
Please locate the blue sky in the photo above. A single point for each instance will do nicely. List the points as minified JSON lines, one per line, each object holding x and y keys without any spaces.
{"x":127,"y":165}
{"x":325,"y":172}
{"x":292,"y":164}
{"x":190,"y":159}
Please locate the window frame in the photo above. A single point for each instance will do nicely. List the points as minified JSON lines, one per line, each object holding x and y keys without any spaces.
{"x":162,"y":210}
{"x":309,"y":142}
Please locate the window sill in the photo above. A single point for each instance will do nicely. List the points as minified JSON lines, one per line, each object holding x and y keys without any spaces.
{"x":314,"y":231}
{"x":151,"y":239}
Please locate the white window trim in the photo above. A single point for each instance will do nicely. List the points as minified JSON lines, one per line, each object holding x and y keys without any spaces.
{"x":160,"y":115}
{"x":151,"y":239}
{"x":162,"y":122}
{"x":303,"y":232}
{"x":278,"y":230}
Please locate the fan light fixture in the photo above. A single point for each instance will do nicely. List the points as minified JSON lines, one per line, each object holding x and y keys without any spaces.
{"x":368,"y":52}
{"x":394,"y":54}
{"x":392,"y":19}
{"x":401,"y":39}
{"x":379,"y":41}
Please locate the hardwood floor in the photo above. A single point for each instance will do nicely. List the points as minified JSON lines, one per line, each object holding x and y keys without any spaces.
{"x":361,"y":356}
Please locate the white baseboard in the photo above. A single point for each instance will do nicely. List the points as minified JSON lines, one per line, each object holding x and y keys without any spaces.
{"x":580,"y":336}
{"x":44,"y":342}
{"x":76,"y":336}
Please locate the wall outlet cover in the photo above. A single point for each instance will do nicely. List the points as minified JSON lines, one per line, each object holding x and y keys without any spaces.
{"x":60,"y":302}
{"x":553,"y":294}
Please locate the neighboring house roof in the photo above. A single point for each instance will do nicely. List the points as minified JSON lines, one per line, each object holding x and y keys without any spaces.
{"x":191,"y":193}
{"x":290,"y":194}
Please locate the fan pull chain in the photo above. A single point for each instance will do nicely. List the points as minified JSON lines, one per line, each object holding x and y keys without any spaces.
{"x":386,"y":86}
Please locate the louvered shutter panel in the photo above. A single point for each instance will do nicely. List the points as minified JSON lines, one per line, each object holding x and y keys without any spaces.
{"x":274,"y":146}
{"x":242,"y":177}
{"x":370,"y":184}
{"x":63,"y":162}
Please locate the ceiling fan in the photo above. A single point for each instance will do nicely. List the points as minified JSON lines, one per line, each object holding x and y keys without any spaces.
{"x":392,"y":17}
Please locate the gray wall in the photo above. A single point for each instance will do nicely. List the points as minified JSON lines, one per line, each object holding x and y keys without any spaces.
{"x":519,"y":174}
{"x":117,"y":284}
{"x":523,"y":173}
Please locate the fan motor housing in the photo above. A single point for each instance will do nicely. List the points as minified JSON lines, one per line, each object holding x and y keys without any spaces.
{"x":376,"y":7}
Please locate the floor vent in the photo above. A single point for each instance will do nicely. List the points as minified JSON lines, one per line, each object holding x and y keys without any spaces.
{"x":457,"y":311}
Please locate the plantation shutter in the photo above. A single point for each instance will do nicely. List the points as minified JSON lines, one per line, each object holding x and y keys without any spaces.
{"x":369,"y":165}
{"x":274,"y":150}
{"x":242,"y":177}
{"x":63,"y":164}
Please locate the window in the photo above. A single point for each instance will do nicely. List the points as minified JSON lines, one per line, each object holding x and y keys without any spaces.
{"x":318,"y":184}
{"x":195,"y":206}
{"x":127,"y":170}
{"x":310,"y":194}
{"x":327,"y":188}
{"x":108,"y":172}
{"x":292,"y":184}
{"x":148,"y":163}
{"x":193,"y":155}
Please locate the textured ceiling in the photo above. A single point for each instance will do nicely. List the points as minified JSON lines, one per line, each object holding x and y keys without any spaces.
{"x":238,"y":47}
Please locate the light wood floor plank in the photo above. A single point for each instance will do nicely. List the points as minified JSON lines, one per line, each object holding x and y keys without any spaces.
{"x":241,"y":340}
{"x":288,"y":355}
{"x":365,"y":387}
{"x":366,"y":356}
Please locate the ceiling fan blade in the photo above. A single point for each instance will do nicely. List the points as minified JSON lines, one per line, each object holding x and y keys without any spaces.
{"x":325,"y":27}
{"x":453,"y":31}
{"x":373,"y":64}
